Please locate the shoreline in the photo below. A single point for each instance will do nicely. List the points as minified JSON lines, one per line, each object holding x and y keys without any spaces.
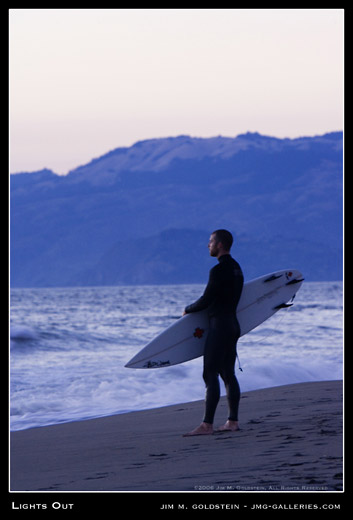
{"x":291,"y":439}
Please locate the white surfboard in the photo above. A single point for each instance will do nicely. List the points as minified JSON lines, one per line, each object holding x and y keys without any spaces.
{"x":185,"y":339}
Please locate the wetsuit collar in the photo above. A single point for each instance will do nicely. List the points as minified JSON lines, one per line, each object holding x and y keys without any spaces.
{"x":223,"y":257}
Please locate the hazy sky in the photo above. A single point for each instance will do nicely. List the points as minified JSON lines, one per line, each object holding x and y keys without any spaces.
{"x":86,"y":81}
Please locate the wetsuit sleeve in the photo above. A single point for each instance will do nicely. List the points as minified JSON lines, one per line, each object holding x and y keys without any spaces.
{"x":208,"y":296}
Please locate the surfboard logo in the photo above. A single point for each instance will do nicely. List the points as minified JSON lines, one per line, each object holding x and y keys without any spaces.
{"x":156,"y":364}
{"x":198,"y":332}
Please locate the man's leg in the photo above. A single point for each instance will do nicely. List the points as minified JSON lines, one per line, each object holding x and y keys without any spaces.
{"x":232,"y":390}
{"x":211,"y":368}
{"x":211,"y":363}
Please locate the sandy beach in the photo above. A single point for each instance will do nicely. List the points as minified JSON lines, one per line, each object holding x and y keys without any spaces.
{"x":290,"y":440}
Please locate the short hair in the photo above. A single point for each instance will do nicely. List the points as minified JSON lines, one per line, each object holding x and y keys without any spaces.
{"x":224,"y":236}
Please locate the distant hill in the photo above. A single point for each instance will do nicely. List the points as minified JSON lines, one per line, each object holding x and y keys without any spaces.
{"x":143,"y":214}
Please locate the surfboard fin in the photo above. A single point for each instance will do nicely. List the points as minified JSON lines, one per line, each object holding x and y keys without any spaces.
{"x":273,"y":277}
{"x":282,"y":306}
{"x":294,"y":281}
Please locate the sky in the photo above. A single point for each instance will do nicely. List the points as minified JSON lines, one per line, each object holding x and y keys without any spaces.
{"x":86,"y":81}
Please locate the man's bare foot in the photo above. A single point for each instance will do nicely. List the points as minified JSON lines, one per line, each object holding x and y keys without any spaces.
{"x":203,"y":429}
{"x":229,"y":426}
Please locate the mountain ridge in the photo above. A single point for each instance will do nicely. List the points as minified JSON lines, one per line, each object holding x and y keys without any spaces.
{"x":268,"y":191}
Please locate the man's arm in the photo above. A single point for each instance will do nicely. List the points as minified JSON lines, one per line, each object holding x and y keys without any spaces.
{"x":208,"y":296}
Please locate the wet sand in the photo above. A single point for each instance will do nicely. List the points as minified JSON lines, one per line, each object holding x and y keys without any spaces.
{"x":290,"y":440}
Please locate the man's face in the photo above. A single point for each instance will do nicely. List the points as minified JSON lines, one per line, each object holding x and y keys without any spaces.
{"x":213,"y":246}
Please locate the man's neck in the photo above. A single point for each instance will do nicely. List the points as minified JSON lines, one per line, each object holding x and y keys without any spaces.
{"x":222,"y":252}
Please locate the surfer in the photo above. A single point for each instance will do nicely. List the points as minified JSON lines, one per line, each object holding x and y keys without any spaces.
{"x":220,"y":298}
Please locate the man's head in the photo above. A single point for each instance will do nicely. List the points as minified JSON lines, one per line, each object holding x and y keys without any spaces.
{"x":220,"y":242}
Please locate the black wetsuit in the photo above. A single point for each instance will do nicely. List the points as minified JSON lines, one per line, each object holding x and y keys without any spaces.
{"x":221,"y":298}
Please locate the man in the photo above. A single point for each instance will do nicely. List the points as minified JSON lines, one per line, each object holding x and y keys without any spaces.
{"x":220,"y":298}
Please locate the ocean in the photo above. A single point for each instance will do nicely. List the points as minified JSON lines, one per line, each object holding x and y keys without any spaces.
{"x":68,"y":348}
